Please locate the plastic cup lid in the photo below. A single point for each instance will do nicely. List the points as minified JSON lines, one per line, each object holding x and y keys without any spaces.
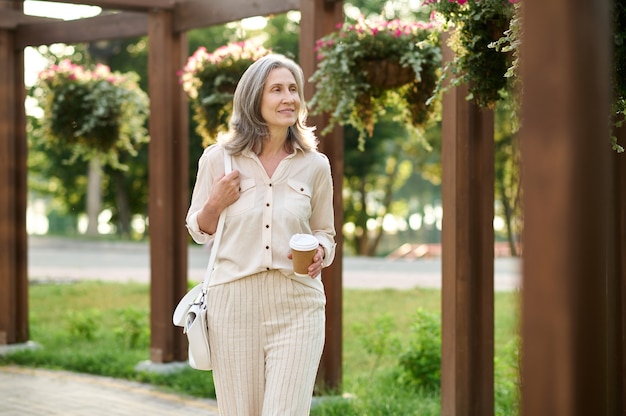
{"x":303,"y":242}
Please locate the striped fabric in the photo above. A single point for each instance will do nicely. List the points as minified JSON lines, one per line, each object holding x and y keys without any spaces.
{"x":267,"y":334}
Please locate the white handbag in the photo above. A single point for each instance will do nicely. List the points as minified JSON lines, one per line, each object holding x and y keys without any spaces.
{"x":191,"y":311}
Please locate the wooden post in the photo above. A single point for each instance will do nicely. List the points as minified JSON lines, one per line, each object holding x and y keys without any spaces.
{"x":467,"y":255}
{"x":566,"y":159}
{"x":13,"y":237}
{"x":320,"y":18}
{"x":168,"y":186}
{"x":616,"y":286}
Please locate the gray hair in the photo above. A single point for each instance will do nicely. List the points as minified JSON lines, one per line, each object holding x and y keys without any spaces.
{"x":247,"y":128}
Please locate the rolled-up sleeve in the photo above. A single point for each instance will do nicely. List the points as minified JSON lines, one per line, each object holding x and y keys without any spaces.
{"x":322,"y":216}
{"x":201,"y":190}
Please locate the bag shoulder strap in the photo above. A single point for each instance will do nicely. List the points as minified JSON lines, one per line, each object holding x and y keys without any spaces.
{"x":218,"y":232}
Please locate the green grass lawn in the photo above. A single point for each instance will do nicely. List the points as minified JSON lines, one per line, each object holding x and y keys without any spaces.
{"x":103,"y":328}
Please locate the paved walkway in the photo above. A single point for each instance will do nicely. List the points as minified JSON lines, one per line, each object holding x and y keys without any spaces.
{"x":38,"y":392}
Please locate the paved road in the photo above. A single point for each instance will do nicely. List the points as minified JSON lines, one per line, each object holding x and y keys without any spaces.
{"x":68,"y":259}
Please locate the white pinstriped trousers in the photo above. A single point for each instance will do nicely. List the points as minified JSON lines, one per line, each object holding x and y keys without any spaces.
{"x":266,"y":333}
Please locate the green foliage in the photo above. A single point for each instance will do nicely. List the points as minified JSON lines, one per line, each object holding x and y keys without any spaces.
{"x":381,"y":396}
{"x":477,"y":24}
{"x":379,"y":175}
{"x":378,"y":338}
{"x":508,"y":382}
{"x":283,"y":35}
{"x":133,"y":328}
{"x":619,"y":42}
{"x":92,"y":112}
{"x":422,"y":360}
{"x":365,"y":393}
{"x":209,"y":79}
{"x":366,"y":66}
{"x":84,"y":324}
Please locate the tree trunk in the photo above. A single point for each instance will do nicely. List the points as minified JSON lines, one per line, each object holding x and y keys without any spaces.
{"x":508,"y":219}
{"x":388,"y":199}
{"x":123,"y":205}
{"x":94,"y":196}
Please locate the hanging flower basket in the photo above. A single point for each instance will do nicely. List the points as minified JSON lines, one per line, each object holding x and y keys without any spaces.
{"x":476,"y":25}
{"x":387,"y":73}
{"x":93,"y":111}
{"x":366,"y":66}
{"x":210,"y":79}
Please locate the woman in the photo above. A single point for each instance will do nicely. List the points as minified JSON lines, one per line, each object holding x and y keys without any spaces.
{"x":266,"y":324}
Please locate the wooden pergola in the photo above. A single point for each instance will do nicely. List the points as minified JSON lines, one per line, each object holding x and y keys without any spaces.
{"x":573,"y":322}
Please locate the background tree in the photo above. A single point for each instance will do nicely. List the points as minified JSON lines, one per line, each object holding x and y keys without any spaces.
{"x":507,"y":173}
{"x":391,"y":163}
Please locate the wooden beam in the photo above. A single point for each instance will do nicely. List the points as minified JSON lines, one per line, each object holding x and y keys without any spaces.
{"x":566,"y":160}
{"x":193,"y":14}
{"x":11,"y":19}
{"x":321,"y":18}
{"x":467,"y":255}
{"x":130,"y":5}
{"x":110,"y":26}
{"x":168,"y":186}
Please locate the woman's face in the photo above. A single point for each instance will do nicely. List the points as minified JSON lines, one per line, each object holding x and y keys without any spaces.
{"x":280,"y":102}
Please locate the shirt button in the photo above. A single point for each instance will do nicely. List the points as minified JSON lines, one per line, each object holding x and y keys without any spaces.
{"x":267,"y":205}
{"x":267,"y":268}
{"x":267,"y":247}
{"x":267,"y":226}
{"x":301,"y":189}
{"x":270,"y":185}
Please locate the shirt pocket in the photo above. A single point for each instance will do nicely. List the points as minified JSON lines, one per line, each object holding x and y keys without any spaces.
{"x":298,"y":199}
{"x":247,"y":191}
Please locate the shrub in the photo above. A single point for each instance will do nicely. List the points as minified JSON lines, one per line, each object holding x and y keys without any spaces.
{"x":421,"y":363}
{"x":84,"y":324}
{"x":134,"y":328}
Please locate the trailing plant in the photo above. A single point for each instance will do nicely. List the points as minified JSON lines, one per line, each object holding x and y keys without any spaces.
{"x":210,"y":79}
{"x":95,"y":112}
{"x":367,"y":65}
{"x":511,"y":41}
{"x":474,"y":25}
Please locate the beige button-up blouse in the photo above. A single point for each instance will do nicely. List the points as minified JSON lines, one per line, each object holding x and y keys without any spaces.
{"x":298,"y":198}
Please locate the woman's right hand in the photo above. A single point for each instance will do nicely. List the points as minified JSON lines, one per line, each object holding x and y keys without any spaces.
{"x":224,"y":192}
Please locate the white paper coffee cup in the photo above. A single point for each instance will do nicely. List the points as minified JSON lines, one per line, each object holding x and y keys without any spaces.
{"x":303,"y":248}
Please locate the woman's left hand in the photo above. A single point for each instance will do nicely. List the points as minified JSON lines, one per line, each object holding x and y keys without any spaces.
{"x":316,"y":267}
